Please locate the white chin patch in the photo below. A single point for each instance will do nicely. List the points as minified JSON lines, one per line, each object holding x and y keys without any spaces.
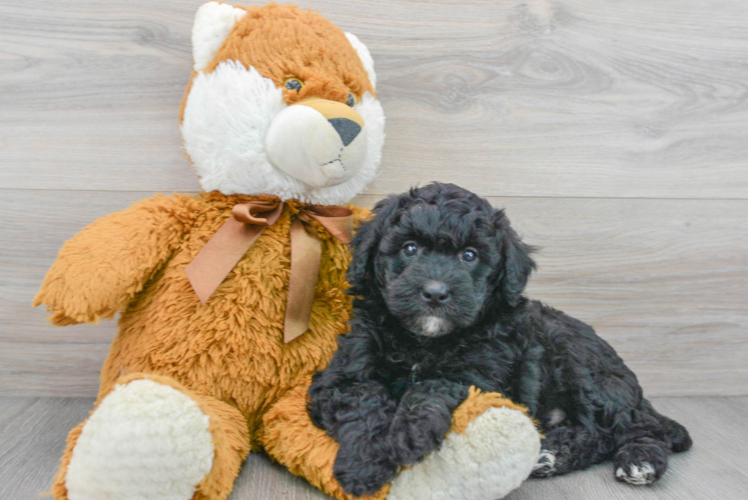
{"x":433,"y":326}
{"x":305,"y":145}
{"x":227,"y":117}
{"x":555,"y":417}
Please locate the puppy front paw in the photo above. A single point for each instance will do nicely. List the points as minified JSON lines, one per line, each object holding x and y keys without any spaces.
{"x":418,"y":429}
{"x":412,"y":441}
{"x":360,"y":472}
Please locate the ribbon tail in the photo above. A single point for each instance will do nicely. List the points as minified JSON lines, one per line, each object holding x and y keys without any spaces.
{"x":306,"y":253}
{"x":219,"y":256}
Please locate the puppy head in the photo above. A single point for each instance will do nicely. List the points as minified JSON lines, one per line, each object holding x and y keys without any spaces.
{"x":438,"y":256}
{"x":281,"y":102}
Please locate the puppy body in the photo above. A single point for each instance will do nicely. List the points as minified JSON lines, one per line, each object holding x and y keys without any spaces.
{"x":438,"y":276}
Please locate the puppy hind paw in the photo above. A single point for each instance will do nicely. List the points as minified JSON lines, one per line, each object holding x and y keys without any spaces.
{"x":640,"y":463}
{"x":680,"y":440}
{"x":640,"y":474}
{"x":546,"y":465}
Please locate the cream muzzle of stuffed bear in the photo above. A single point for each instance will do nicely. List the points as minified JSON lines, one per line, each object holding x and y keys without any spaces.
{"x":319,"y":142}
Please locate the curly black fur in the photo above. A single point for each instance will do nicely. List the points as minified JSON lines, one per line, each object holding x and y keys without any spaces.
{"x":438,"y":276}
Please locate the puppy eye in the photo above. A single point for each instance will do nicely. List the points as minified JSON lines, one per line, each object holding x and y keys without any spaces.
{"x":410,"y":249}
{"x":293,"y":84}
{"x":351,"y":100}
{"x":469,"y":255}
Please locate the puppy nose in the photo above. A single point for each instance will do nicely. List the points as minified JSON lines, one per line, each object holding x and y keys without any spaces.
{"x":435,"y":292}
{"x":347,"y":129}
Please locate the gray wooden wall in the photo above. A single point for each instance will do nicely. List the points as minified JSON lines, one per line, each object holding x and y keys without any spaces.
{"x":614,"y":132}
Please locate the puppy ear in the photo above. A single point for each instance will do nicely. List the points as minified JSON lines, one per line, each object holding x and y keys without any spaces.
{"x":365,"y":244}
{"x":516,"y":261}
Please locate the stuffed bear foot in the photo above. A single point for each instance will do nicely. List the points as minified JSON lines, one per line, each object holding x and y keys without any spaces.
{"x":144,"y":440}
{"x":485,"y":460}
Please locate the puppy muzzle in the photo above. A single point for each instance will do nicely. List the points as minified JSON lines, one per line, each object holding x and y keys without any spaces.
{"x":429,"y":303}
{"x":320,"y":142}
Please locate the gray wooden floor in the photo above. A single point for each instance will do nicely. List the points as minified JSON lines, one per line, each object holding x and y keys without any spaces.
{"x":33,"y":430}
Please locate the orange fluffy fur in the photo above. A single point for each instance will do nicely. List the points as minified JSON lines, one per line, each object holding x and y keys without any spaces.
{"x":267,"y":38}
{"x":228,"y":355}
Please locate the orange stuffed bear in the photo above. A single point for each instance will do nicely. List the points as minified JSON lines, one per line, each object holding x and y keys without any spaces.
{"x":211,"y":361}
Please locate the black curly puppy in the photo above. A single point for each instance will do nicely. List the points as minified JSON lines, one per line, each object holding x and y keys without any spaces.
{"x":438,"y":276}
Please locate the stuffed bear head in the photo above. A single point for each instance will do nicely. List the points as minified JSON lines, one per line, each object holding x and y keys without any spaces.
{"x":281,"y":103}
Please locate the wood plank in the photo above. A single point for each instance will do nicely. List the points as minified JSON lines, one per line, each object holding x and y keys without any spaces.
{"x":507,"y":97}
{"x":32,"y":434}
{"x":32,"y":438}
{"x":661,"y":280}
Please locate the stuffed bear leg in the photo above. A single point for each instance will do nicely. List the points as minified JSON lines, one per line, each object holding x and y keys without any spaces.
{"x":489,"y":451}
{"x":150,"y":437}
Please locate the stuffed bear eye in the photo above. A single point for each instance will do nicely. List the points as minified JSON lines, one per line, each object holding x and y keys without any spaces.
{"x":351,"y":100}
{"x":469,"y":255}
{"x":410,"y":249}
{"x":293,"y":84}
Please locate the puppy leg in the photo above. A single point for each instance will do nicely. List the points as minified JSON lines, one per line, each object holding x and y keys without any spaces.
{"x":358,"y":417}
{"x":362,"y":465}
{"x":644,"y":443}
{"x":423,"y":418}
{"x":569,"y":448}
{"x":675,"y":433}
{"x":289,"y":437}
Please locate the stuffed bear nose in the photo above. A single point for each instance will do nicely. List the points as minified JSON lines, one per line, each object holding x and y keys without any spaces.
{"x":347,"y":129}
{"x":435,"y":293}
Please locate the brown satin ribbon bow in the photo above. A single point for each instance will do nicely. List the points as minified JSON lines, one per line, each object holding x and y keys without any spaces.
{"x":236,"y":236}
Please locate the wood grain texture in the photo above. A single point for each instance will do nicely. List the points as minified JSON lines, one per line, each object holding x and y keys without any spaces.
{"x":33,"y":431}
{"x":662,"y":280}
{"x":614,"y":133}
{"x":507,"y":97}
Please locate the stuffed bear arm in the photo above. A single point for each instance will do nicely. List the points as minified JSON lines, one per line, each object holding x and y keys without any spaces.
{"x":98,"y":271}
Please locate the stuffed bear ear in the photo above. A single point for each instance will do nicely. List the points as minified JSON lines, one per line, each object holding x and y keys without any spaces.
{"x":516,"y":264}
{"x":361,"y":273}
{"x":365,"y":56}
{"x":213,"y":23}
